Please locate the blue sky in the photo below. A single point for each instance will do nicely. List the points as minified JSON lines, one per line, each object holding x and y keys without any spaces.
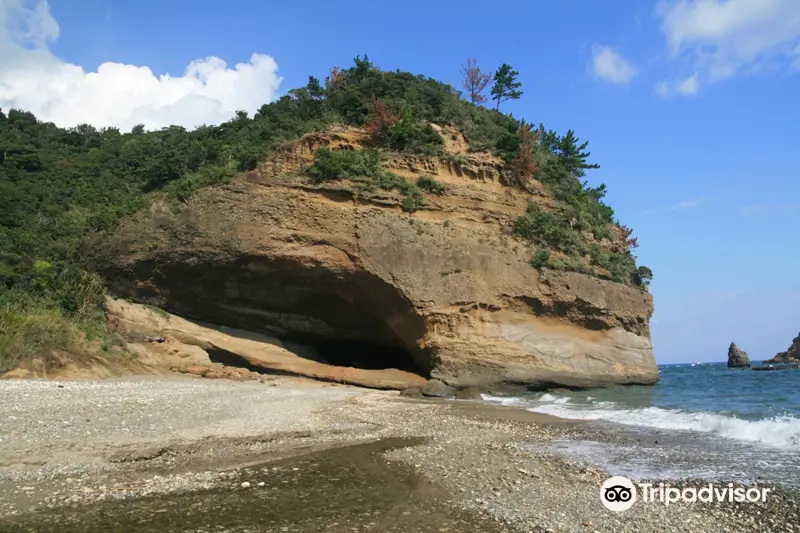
{"x":690,"y":108}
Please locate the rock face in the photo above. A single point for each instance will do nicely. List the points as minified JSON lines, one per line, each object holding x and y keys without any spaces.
{"x":737,"y":358}
{"x":436,"y":389}
{"x":792,"y":355}
{"x":446,"y":286}
{"x":194,"y":343}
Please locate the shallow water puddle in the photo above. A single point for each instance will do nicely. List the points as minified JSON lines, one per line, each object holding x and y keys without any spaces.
{"x":341,"y":490}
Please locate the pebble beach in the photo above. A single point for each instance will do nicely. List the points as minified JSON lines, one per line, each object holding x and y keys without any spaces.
{"x":183,"y":454}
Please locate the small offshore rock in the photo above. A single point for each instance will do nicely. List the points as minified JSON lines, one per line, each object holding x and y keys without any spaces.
{"x":737,"y":358}
{"x":246,"y":485}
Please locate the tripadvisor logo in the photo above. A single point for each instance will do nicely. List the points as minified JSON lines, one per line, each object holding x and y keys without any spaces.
{"x":620,"y":493}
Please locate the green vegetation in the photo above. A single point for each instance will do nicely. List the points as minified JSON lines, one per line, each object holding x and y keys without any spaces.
{"x":428,"y":184}
{"x":62,"y":187}
{"x":344,"y":164}
{"x":364,"y":168}
{"x":561,"y":232}
{"x":50,"y":310}
{"x":505,"y":85}
{"x":413,"y":202}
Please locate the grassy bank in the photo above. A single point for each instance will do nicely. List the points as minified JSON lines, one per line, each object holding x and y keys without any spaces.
{"x":61,"y":311}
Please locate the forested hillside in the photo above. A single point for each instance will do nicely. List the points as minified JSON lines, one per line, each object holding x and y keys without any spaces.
{"x":61,"y":187}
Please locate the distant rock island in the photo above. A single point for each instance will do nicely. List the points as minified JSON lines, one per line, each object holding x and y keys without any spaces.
{"x":737,"y":358}
{"x":792,"y":355}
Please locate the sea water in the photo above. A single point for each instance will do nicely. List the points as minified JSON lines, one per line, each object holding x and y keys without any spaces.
{"x":703,"y":420}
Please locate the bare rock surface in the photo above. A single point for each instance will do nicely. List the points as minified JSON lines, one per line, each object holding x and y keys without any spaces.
{"x":737,"y":358}
{"x":791,"y":355}
{"x":434,"y":388}
{"x":191,"y":342}
{"x":448,"y":284}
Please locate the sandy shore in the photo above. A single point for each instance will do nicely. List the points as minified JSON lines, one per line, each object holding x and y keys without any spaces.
{"x":180,"y":454}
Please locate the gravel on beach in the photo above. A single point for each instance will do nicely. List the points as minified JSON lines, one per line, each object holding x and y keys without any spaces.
{"x":68,"y":444}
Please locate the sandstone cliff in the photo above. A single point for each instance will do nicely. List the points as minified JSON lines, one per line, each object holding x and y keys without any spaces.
{"x":448,"y":285}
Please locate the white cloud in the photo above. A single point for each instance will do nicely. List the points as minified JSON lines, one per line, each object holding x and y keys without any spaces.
{"x":686,"y":204}
{"x":725,"y":38}
{"x":680,"y":206}
{"x":120,"y":95}
{"x":609,"y":66}
{"x":663,"y":89}
{"x":687,"y":87}
{"x":760,"y":209}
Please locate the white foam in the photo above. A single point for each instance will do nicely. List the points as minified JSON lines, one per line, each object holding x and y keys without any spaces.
{"x":774,"y":432}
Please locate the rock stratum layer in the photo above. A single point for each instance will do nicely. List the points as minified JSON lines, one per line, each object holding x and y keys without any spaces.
{"x":321,"y":264}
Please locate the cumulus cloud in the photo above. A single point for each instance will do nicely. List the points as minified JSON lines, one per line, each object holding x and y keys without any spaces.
{"x":725,"y":38}
{"x":610,"y":66}
{"x":119,"y":95}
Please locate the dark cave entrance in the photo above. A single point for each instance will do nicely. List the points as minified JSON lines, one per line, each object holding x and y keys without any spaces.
{"x":366,"y":355}
{"x":345,"y":353}
{"x":232,"y":359}
{"x":321,"y":308}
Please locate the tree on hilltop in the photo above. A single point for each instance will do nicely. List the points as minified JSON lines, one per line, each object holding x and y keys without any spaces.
{"x":505,"y":85}
{"x":335,"y":79}
{"x":474,"y":81}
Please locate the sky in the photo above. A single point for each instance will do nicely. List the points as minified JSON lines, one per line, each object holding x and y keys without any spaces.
{"x":690,"y":107}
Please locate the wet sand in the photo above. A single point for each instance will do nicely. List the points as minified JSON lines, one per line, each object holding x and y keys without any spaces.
{"x":343,"y":489}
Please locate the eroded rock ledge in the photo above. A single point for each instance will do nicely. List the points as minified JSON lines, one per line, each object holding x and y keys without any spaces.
{"x":315,"y":265}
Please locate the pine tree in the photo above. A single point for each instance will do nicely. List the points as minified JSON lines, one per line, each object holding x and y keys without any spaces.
{"x":315,"y":89}
{"x":505,"y":85}
{"x":474,"y":81}
{"x":572,"y":155}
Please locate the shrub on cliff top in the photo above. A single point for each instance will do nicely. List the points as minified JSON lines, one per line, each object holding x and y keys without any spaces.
{"x":561,"y":231}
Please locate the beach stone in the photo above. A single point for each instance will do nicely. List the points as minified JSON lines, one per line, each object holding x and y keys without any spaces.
{"x":469,"y":393}
{"x":737,"y":358}
{"x":437,"y":389}
{"x":411,"y":392}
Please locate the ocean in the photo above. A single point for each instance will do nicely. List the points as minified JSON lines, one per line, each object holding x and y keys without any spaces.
{"x":702,"y":421}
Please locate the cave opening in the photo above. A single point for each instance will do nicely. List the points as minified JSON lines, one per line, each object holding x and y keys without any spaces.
{"x":231,"y":359}
{"x":366,"y":355}
{"x":343,"y":353}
